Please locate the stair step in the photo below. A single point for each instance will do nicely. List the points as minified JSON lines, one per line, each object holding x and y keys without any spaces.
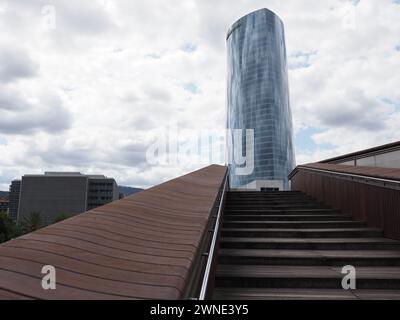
{"x":263,"y":192}
{"x":287,"y":245}
{"x":262,"y":204}
{"x":286,"y":206}
{"x":304,"y":277}
{"x":309,"y":257}
{"x":272,"y":200}
{"x":303,"y":294}
{"x":279,"y":211}
{"x":288,"y":217}
{"x":302,"y":233}
{"x":270,"y":204}
{"x":268,"y":196}
{"x":310,"y":244}
{"x":294,"y":224}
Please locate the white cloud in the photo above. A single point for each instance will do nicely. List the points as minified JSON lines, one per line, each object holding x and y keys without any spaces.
{"x":22,"y":115}
{"x":15,"y":64}
{"x":87,"y":95}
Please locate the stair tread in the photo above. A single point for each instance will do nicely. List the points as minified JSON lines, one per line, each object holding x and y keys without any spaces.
{"x":299,"y":294}
{"x":299,"y":216}
{"x":301,"y":205}
{"x":265,"y":192}
{"x":280,"y":210}
{"x":301,"y":230}
{"x":256,"y":271}
{"x":270,"y":253}
{"x":252,"y":225}
{"x":308,"y":240}
{"x":294,"y":247}
{"x":273,"y":200}
{"x":295,"y":222}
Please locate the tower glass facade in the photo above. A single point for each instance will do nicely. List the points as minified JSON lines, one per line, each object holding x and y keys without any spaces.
{"x":258,"y":99}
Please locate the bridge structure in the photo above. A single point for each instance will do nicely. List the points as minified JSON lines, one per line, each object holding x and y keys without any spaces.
{"x":194,"y":238}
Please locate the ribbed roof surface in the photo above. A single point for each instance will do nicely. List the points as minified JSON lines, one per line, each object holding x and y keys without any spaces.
{"x":139,"y":247}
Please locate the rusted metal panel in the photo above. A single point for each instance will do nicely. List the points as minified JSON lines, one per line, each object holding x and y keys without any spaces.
{"x":140,"y":247}
{"x":378,"y":206}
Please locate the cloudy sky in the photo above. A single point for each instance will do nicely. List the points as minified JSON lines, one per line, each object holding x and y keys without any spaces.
{"x":86,"y":85}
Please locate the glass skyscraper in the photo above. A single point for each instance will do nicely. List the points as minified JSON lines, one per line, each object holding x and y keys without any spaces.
{"x":258,"y":99}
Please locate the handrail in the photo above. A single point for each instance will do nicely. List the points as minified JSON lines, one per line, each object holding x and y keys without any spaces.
{"x":395,"y":184}
{"x":210,"y":259}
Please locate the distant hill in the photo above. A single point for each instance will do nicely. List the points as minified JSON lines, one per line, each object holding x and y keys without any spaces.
{"x":3,"y":194}
{"x":127,"y":191}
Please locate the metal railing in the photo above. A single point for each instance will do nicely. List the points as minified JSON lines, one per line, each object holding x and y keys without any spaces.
{"x":212,"y":250}
{"x":380,"y":182}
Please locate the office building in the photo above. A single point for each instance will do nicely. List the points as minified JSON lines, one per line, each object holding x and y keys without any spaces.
{"x":70,"y":193}
{"x":13,"y":197}
{"x":101,"y":190}
{"x":258,"y":99}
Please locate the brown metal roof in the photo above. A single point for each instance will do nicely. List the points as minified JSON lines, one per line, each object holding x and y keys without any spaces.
{"x":383,"y":173}
{"x":140,"y":247}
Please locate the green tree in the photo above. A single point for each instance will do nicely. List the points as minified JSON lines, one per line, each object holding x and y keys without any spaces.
{"x":32,"y":222}
{"x":60,"y":217}
{"x":8,"y":228}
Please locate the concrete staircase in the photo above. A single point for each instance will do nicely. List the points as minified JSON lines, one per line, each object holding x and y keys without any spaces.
{"x":286,"y":245}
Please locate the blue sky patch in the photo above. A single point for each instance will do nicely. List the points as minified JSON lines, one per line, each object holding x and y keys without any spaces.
{"x":300,"y":60}
{"x":394,"y":103}
{"x":189,"y":47}
{"x":191,"y":87}
{"x":304,"y":142}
